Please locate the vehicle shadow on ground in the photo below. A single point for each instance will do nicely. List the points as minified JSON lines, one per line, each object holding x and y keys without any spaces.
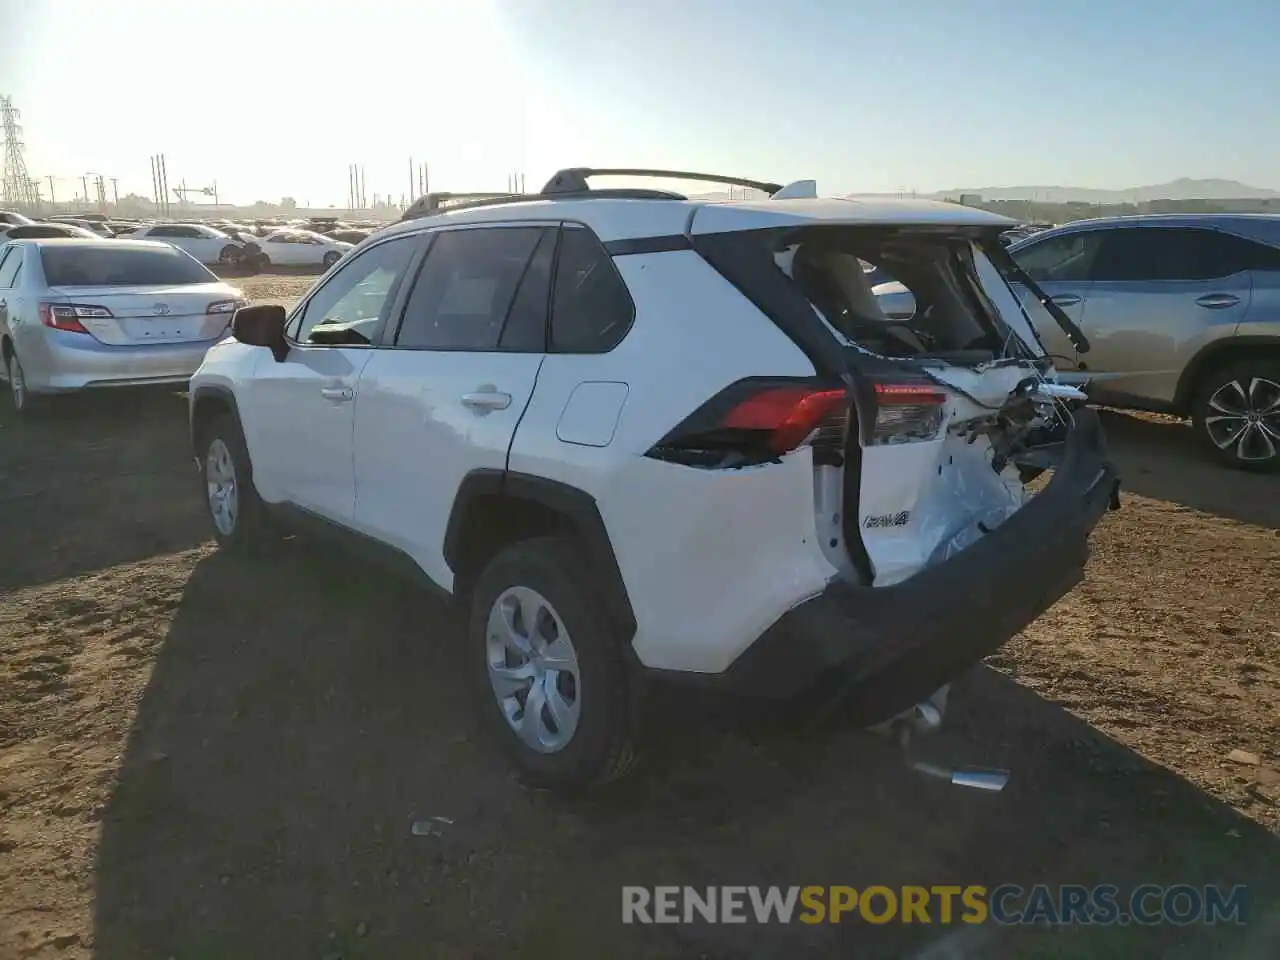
{"x":1159,"y":457}
{"x":304,"y":713}
{"x":91,"y":481}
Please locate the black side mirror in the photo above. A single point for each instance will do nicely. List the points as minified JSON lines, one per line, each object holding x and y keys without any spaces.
{"x":262,"y":326}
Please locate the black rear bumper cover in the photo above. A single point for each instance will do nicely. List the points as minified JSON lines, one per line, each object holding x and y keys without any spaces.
{"x":892,"y":647}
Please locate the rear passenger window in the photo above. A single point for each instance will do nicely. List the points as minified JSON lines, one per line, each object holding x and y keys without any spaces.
{"x":466,"y":288}
{"x":1171,"y":253}
{"x":10,"y":261}
{"x":592,"y":310}
{"x":526,"y":328}
{"x":1241,"y":254}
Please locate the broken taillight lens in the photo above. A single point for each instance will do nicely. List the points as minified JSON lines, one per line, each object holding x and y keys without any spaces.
{"x":906,"y":412}
{"x":757,"y":420}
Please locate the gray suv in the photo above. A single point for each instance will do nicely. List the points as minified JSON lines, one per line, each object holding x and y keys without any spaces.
{"x":1182,"y":314}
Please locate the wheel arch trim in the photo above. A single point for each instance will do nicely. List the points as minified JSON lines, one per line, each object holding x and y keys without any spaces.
{"x":1209,"y":356}
{"x":578,"y":508}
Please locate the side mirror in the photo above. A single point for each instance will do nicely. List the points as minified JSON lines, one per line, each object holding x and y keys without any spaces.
{"x":262,"y":326}
{"x":896,"y":301}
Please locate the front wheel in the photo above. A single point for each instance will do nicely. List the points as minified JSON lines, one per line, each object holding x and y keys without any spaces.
{"x":551,"y":675}
{"x":1236,"y":412}
{"x":331,"y":258}
{"x":239,"y":517}
{"x":229,"y":256}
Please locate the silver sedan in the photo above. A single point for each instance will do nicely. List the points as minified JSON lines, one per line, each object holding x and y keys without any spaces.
{"x":82,"y":314}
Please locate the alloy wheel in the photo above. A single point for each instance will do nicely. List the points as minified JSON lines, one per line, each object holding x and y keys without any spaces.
{"x":221,"y":488}
{"x":533,"y":669}
{"x":1244,"y":419}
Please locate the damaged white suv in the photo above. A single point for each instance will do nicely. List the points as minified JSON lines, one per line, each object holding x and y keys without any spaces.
{"x":641,"y":435}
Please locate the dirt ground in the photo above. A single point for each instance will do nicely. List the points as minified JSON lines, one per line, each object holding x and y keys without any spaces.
{"x":208,"y":758}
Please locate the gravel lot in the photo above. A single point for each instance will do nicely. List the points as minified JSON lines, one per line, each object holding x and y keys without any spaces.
{"x":206,"y":758}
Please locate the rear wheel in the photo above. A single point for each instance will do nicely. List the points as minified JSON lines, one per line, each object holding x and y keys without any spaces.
{"x":1237,"y":414}
{"x":230,"y":255}
{"x":331,"y":258}
{"x":551,"y":675}
{"x":19,"y":396}
{"x":239,"y":517}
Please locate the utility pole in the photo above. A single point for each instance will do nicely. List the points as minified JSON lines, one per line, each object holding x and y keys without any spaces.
{"x":52,"y":199}
{"x":84,"y":184}
{"x":115,"y":190}
{"x":410,"y":179}
{"x":364,"y":185}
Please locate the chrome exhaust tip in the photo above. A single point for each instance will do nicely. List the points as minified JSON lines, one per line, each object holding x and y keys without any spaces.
{"x":991,"y":780}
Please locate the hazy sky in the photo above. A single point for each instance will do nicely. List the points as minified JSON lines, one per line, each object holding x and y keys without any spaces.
{"x":277,"y":97}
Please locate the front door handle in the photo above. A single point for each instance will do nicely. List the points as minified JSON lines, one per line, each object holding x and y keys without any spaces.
{"x":338,"y":394}
{"x":1217,"y":301}
{"x":486,"y":399}
{"x":1066,"y":300}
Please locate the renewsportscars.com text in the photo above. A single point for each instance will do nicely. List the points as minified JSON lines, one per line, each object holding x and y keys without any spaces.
{"x":1067,"y":904}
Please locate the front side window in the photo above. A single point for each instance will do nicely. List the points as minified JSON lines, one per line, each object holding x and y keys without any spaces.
{"x":466,"y":287}
{"x":1067,"y":258}
{"x":358,"y":297}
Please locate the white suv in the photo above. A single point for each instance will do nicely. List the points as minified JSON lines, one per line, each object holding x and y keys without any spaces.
{"x":640,"y":435}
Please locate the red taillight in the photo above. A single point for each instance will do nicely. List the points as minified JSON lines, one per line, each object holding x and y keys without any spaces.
{"x":906,"y":412}
{"x":758,"y":420}
{"x":67,"y":316}
{"x":788,"y":414}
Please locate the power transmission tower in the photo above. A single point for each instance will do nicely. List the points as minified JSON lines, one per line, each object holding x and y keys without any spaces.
{"x":18,"y":187}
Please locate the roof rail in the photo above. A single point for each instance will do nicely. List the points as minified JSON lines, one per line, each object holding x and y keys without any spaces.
{"x":434,"y":203}
{"x":574,"y":179}
{"x":430,"y":203}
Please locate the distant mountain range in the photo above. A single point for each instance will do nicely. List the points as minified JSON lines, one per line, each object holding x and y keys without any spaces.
{"x":1184,"y":188}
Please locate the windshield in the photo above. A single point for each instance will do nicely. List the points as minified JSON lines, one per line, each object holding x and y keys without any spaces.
{"x":95,"y":266}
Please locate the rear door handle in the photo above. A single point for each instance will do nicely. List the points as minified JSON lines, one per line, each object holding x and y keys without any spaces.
{"x":1217,"y":301}
{"x":484,"y":400}
{"x":338,"y":394}
{"x":1066,"y":300}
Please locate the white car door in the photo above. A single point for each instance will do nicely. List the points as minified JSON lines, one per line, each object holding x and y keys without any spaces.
{"x":210,"y":243}
{"x":302,"y":408}
{"x":287,"y":250}
{"x":444,"y":398}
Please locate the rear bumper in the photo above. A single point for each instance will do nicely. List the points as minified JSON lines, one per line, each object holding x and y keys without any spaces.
{"x":59,"y":361}
{"x":891,"y":647}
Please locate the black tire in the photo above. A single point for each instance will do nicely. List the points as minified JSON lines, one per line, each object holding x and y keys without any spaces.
{"x":251,"y":531}
{"x":1230,"y":385}
{"x":601,"y":748}
{"x":331,"y":258}
{"x":21,"y":400}
{"x":229,"y":255}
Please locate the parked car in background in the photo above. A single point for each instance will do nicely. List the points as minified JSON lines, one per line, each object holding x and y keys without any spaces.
{"x":11,"y":218}
{"x":301,"y":248}
{"x":78,"y":314}
{"x":49,"y":231}
{"x":1183,"y":316}
{"x":204,"y":243}
{"x":94,"y":226}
